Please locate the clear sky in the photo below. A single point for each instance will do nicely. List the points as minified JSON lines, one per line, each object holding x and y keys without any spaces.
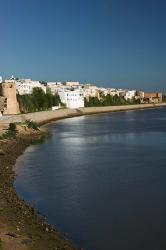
{"x":114,"y":43}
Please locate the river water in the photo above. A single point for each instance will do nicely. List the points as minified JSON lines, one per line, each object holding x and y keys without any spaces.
{"x":101,"y":179}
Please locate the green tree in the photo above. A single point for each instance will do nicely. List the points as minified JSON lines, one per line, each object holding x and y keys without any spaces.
{"x":108,"y":100}
{"x":37,"y":101}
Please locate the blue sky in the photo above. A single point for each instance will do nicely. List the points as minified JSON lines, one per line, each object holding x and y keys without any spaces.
{"x":112,"y":43}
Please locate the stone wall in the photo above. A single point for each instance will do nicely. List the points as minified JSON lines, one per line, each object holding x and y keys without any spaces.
{"x":3,"y":103}
{"x":8,"y":90}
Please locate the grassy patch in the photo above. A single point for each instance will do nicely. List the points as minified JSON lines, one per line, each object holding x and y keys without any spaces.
{"x":12,"y":129}
{"x":10,"y":133}
{"x":31,"y":124}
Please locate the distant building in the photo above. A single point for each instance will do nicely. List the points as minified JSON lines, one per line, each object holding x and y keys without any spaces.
{"x":26,"y":86}
{"x":91,"y":91}
{"x":139,"y":95}
{"x":152,"y":97}
{"x":72,"y":97}
{"x":121,"y":92}
{"x":54,"y":87}
{"x":71,"y":84}
{"x":0,"y":79}
{"x":103,"y":91}
{"x":113,"y":92}
{"x":130,"y":94}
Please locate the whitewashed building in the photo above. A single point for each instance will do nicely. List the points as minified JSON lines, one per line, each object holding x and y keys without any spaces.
{"x":112,"y":92}
{"x":130,"y":94}
{"x":26,"y":86}
{"x":91,"y":91}
{"x":54,"y":87}
{"x":71,"y":84}
{"x":104,"y":91}
{"x":72,"y":97}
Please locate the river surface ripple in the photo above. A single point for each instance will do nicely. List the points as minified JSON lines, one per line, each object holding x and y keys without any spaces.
{"x":101,"y":179}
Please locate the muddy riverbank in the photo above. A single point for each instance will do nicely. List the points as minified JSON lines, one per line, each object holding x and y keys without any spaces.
{"x":21,"y":227}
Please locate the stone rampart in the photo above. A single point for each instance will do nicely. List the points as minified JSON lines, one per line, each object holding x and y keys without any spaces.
{"x":8,"y":90}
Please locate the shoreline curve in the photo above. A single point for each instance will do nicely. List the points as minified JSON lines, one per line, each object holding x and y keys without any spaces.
{"x":14,"y":218}
{"x":43,"y":117}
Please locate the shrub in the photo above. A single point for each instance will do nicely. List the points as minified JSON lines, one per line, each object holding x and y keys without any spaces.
{"x":12,"y":127}
{"x":10,"y":133}
{"x":31,"y":124}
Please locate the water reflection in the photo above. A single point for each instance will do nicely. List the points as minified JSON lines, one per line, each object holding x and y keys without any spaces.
{"x":101,"y":179}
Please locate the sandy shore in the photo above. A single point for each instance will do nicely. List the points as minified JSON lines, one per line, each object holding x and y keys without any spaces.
{"x":47,"y":116}
{"x":21,"y":228}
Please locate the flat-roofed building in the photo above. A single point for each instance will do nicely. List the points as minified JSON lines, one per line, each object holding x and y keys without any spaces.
{"x":54,"y":87}
{"x":71,"y":84}
{"x":91,"y":91}
{"x":130,"y":94}
{"x":153,"y":97}
{"x":26,"y":86}
{"x":72,"y":97}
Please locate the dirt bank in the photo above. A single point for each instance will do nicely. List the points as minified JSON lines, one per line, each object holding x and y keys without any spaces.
{"x":21,"y":228}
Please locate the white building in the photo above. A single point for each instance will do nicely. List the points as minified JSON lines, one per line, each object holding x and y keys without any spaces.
{"x":0,"y":79}
{"x":113,"y":92}
{"x":104,"y":91}
{"x":91,"y":91}
{"x":72,"y":97}
{"x":72,"y":84}
{"x":54,"y":87}
{"x":26,"y":86}
{"x":130,"y":94}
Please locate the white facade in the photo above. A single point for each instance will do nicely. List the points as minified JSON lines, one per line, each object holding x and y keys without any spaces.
{"x":104,"y":91}
{"x":0,"y":79}
{"x":130,"y":94}
{"x":72,"y":84}
{"x":72,"y":97}
{"x":91,"y":91}
{"x":112,"y":92}
{"x":54,"y":87}
{"x":26,"y":86}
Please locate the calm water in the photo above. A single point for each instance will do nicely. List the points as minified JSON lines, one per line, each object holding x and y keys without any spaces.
{"x":102,"y":179}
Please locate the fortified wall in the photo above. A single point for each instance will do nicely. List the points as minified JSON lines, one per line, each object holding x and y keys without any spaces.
{"x":9,"y":99}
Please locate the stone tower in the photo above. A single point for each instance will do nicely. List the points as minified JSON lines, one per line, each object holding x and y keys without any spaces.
{"x":8,"y":90}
